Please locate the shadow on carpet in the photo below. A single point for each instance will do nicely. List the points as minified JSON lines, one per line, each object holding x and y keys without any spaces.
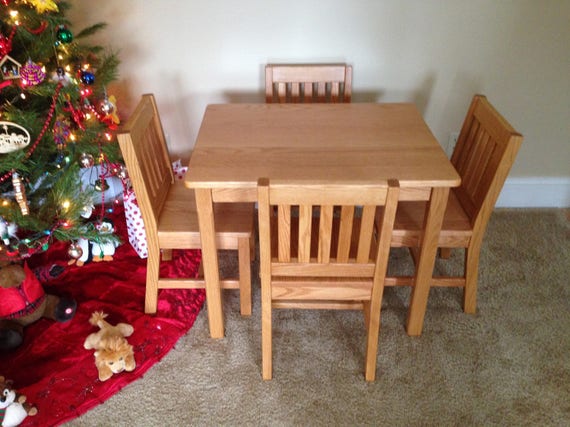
{"x":53,"y":370}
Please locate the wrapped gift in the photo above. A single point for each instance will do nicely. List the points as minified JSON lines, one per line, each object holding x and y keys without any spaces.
{"x":135,"y":224}
{"x":178,"y":169}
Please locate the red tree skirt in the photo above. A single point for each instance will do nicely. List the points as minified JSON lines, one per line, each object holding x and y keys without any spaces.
{"x":53,"y":369}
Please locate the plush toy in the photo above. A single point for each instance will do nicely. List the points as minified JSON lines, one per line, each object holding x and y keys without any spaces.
{"x":104,"y":251}
{"x":23,"y":301}
{"x":113,"y":354}
{"x":13,"y":407}
{"x":93,"y":250}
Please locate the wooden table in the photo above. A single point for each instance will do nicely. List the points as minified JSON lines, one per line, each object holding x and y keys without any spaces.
{"x":365,"y":142}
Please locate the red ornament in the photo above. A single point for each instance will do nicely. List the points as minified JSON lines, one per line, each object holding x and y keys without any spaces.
{"x":5,"y":45}
{"x":6,"y":42}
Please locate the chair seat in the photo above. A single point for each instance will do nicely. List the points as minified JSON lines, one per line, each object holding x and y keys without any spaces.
{"x":456,"y":229}
{"x":178,"y":223}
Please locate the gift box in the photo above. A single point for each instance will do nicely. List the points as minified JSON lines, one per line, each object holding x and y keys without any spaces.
{"x":135,"y":224}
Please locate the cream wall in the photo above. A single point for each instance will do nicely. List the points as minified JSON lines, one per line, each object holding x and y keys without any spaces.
{"x":436,"y":53}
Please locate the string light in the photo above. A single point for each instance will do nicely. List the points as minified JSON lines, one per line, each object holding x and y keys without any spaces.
{"x":14,"y":16}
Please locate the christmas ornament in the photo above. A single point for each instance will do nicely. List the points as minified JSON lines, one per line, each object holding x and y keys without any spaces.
{"x":87,"y":77}
{"x":6,"y":42}
{"x":101,"y":185}
{"x":60,"y":159}
{"x":61,"y":76}
{"x":121,"y":172}
{"x":14,"y":137}
{"x":77,"y":115}
{"x":61,"y":132}
{"x":86,"y":160}
{"x":43,"y":6}
{"x":108,"y":108}
{"x":10,"y":68}
{"x":5,"y":45}
{"x":7,"y":230}
{"x":63,"y":35}
{"x":31,"y":74}
{"x":74,"y":251}
{"x":20,"y":193}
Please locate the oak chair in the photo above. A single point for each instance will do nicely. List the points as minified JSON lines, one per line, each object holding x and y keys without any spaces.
{"x":319,"y":251}
{"x":483,"y":156}
{"x":169,"y":210}
{"x":308,"y":83}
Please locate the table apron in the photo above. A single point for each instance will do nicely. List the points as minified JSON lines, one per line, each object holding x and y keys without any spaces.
{"x":233,"y":195}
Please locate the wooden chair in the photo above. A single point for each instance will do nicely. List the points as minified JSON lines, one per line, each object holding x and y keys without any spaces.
{"x":308,"y":83}
{"x":323,"y":255}
{"x":485,"y":151}
{"x":169,"y":210}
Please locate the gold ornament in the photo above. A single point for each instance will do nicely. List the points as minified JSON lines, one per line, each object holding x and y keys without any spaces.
{"x":44,"y":5}
{"x":74,"y":251}
{"x":20,"y":193}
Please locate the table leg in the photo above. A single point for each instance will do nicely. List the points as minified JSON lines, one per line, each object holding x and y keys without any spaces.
{"x":424,"y":268}
{"x":204,"y":206}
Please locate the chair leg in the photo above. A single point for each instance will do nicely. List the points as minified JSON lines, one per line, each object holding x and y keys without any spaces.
{"x":444,"y":253}
{"x":266,"y":338}
{"x":167,"y":254}
{"x":471,"y":274}
{"x":373,"y":330}
{"x":152,"y":274}
{"x":244,"y":248}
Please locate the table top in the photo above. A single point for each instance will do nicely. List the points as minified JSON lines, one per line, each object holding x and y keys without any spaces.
{"x":356,"y":142}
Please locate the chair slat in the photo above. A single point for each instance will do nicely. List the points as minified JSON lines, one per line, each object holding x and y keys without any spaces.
{"x":325,"y":233}
{"x":284,"y":233}
{"x":345,"y":233}
{"x":366,"y":234}
{"x":305,"y":225}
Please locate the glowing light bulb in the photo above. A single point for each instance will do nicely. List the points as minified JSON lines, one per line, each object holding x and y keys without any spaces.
{"x":66,"y":204}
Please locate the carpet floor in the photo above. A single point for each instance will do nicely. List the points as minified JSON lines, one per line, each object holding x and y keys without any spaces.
{"x":507,"y":365}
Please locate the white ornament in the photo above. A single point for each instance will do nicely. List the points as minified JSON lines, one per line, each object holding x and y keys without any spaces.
{"x":7,"y":230}
{"x":14,"y":137}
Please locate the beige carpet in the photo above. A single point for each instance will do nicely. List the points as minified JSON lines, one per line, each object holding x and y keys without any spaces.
{"x":508,"y":365}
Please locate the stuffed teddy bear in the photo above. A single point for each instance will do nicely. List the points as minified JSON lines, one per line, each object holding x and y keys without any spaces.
{"x":113,"y":354}
{"x":13,"y":409}
{"x":23,"y":301}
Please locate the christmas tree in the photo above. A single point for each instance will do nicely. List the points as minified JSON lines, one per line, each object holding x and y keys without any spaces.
{"x":58,"y":152}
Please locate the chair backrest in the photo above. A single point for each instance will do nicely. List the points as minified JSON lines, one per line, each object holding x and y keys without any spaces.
{"x":483,"y":156}
{"x":146,"y":157}
{"x":308,"y":83}
{"x":324,"y":231}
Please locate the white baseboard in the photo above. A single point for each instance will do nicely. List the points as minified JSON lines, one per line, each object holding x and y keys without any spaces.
{"x":535,"y":192}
